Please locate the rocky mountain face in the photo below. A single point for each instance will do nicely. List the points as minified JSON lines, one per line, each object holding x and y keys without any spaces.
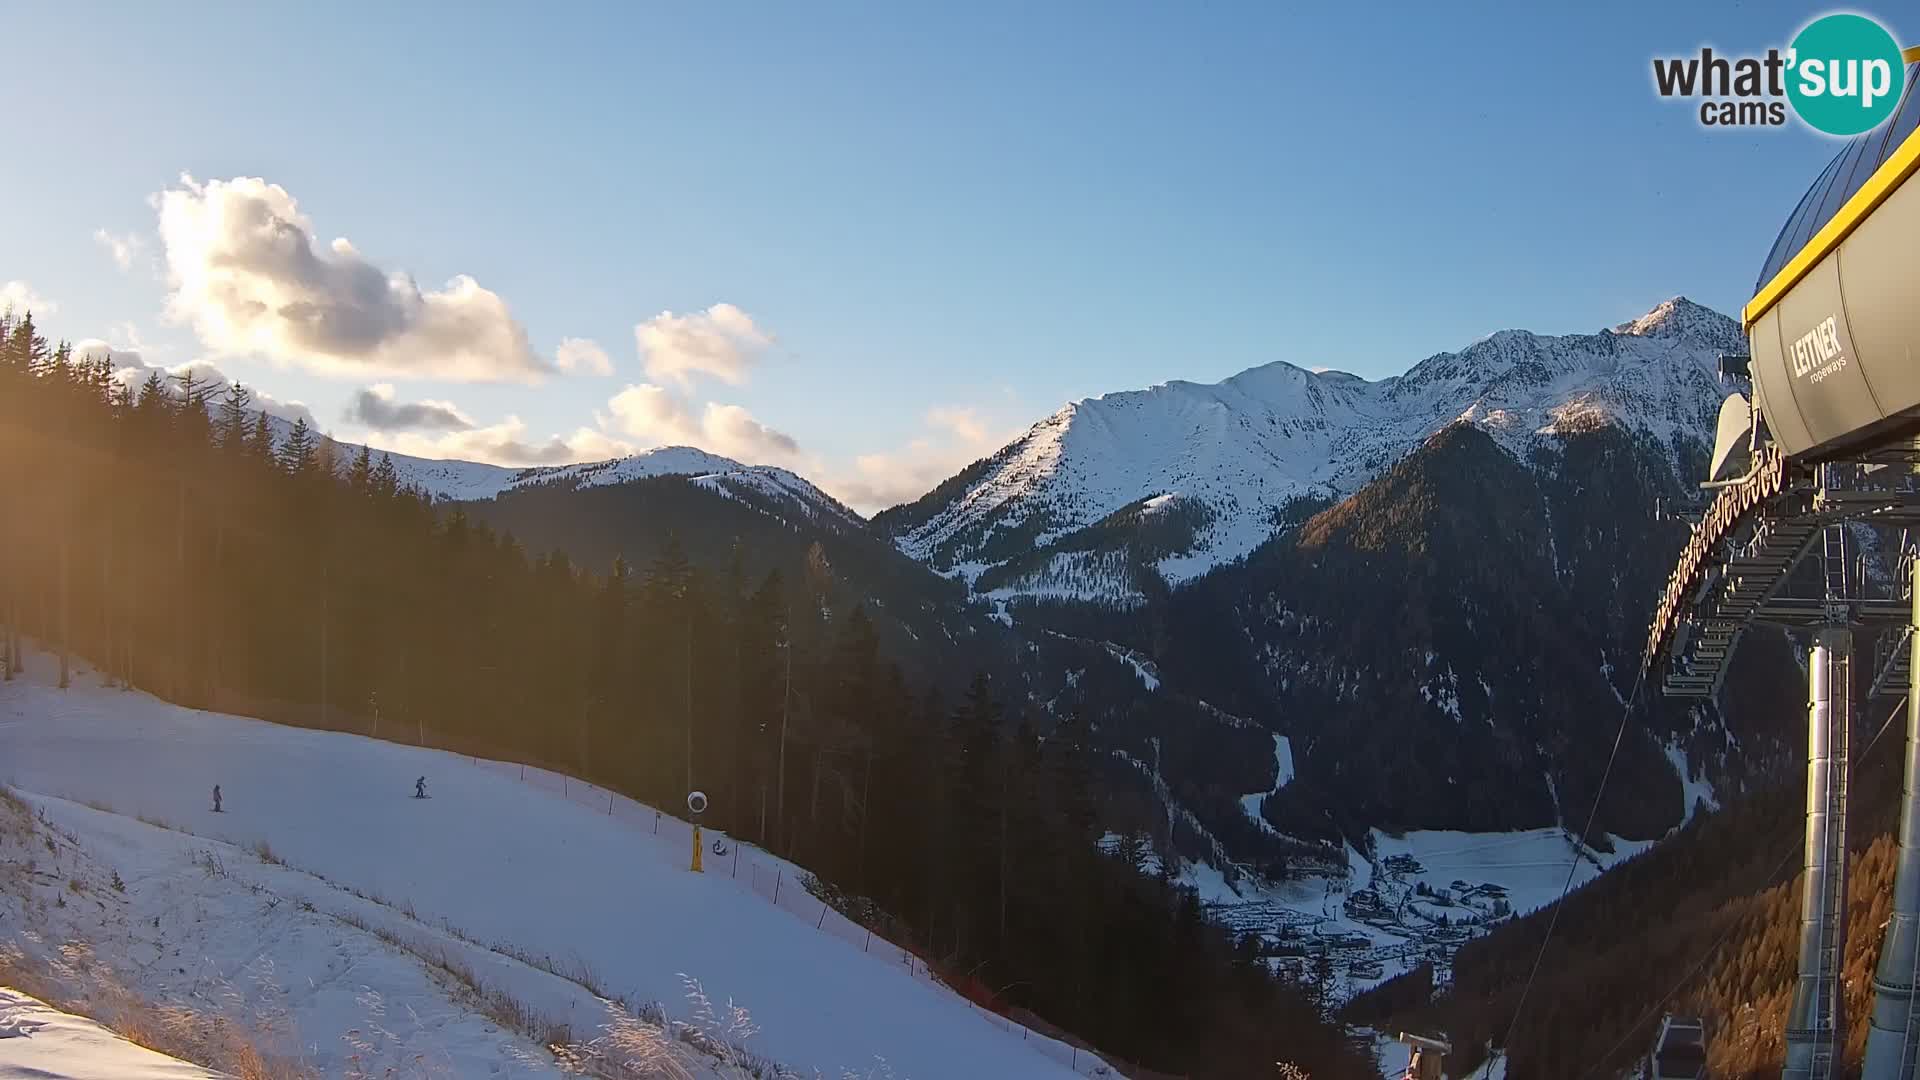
{"x":1434,"y":588}
{"x":1453,"y":646}
{"x":1115,"y":496}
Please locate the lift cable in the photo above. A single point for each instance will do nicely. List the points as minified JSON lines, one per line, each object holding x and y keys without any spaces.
{"x":1573,"y":866}
{"x":1725,"y":931}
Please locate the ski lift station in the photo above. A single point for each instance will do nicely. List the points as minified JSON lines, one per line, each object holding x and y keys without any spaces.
{"x":1824,"y":439}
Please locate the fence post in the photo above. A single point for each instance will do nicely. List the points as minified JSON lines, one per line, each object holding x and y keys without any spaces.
{"x":776,"y":884}
{"x":609,"y":804}
{"x":822,"y":920}
{"x":869,"y":942}
{"x":523,"y":772}
{"x":736,"y":858}
{"x":656,"y":823}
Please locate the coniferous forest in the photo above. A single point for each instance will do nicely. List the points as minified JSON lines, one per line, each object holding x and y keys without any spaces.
{"x":163,"y":532}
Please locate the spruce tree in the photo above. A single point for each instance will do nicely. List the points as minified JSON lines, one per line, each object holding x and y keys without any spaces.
{"x":297,"y":453}
{"x":233,"y":418}
{"x":326,"y":457}
{"x":386,"y":479}
{"x":360,"y":477}
{"x":192,"y":392}
{"x":26,"y":350}
{"x":153,"y":415}
{"x":260,"y":446}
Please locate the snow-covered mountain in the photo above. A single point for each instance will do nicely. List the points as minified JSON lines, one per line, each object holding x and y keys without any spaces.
{"x":1183,"y":476}
{"x":468,"y":481}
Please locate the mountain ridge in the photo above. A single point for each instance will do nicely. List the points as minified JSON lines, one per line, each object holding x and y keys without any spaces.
{"x":1240,"y":451}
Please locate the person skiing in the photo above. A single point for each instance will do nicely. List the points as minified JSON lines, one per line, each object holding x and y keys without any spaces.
{"x":420,"y":788}
{"x":216,"y":798}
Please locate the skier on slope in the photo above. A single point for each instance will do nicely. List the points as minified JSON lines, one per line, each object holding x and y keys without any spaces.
{"x":216,"y":798}
{"x":420,"y":788}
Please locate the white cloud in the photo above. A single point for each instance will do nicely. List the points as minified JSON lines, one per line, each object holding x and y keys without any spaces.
{"x":962,"y":423}
{"x":377,"y":407}
{"x":652,"y":415}
{"x":20,"y":297}
{"x":244,"y":272}
{"x":955,"y":438}
{"x":721,"y":341}
{"x":646,"y":411}
{"x":123,"y":249}
{"x":96,"y":349}
{"x":733,"y":432}
{"x":504,"y":443}
{"x":583,"y":354}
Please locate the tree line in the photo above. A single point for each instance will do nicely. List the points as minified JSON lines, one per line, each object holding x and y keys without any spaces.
{"x":192,"y":547}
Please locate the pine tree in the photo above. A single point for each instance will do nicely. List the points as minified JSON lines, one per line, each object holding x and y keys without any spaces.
{"x":360,"y":477}
{"x":326,"y":457}
{"x":260,"y":447}
{"x":297,"y":453}
{"x":27,"y":351}
{"x":386,"y":479}
{"x":59,"y":367}
{"x":606,"y":696}
{"x":976,"y":806}
{"x":192,"y":392}
{"x":153,"y":414}
{"x":233,"y":418}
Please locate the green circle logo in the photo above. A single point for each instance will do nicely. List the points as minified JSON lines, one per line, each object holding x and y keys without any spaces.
{"x":1845,"y":74}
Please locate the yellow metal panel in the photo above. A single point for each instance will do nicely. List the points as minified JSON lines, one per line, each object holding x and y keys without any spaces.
{"x":1885,"y":180}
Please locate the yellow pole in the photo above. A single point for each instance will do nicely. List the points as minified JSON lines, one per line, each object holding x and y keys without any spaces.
{"x":696,"y":851}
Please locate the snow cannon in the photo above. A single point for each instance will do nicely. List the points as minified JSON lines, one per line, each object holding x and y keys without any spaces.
{"x":696,"y":805}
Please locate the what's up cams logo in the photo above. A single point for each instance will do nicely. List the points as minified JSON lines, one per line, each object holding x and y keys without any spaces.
{"x":1842,"y":75}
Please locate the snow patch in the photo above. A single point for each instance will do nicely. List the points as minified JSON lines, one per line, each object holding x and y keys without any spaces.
{"x":1283,"y":773}
{"x":41,"y":1042}
{"x":1696,"y":792}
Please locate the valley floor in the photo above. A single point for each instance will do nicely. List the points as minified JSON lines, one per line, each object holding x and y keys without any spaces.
{"x":360,"y":930}
{"x":1416,"y":901}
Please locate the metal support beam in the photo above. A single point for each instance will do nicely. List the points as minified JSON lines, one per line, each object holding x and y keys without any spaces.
{"x":1893,"y":1038}
{"x":1817,"y":1015}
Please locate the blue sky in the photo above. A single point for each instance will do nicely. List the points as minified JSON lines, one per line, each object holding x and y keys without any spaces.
{"x":938,"y":224}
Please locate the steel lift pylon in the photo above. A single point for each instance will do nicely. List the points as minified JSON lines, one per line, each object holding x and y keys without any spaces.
{"x":1816,"y":1022}
{"x":1893,"y":1036}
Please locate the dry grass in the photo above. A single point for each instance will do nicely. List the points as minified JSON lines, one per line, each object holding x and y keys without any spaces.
{"x":70,"y":978}
{"x":14,"y":803}
{"x":75,"y":983}
{"x":635,"y":1043}
{"x":490,"y":1001}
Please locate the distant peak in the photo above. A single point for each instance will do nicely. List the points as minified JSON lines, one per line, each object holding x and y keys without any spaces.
{"x":1678,"y":317}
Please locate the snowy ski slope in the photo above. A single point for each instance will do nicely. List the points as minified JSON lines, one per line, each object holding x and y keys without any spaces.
{"x":503,"y":861}
{"x":39,"y":1042}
